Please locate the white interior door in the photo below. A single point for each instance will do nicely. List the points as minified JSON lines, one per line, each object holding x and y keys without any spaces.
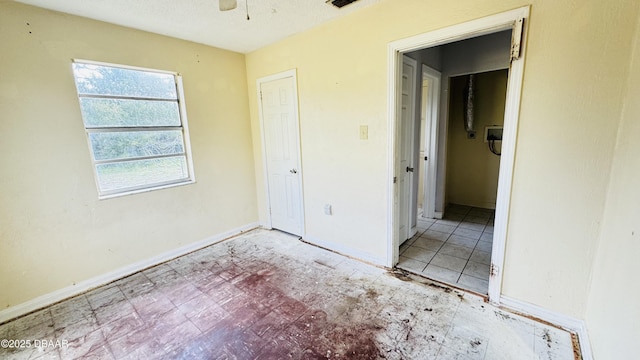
{"x":407,"y":123}
{"x":282,"y":147}
{"x":429,"y":146}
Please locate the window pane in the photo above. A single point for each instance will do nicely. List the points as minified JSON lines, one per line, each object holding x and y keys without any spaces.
{"x":140,"y":173}
{"x":107,"y":80}
{"x":128,"y":113}
{"x":130,"y":144}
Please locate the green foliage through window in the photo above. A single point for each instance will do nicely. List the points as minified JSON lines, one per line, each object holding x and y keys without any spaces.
{"x":135,"y":126}
{"x":99,"y":112}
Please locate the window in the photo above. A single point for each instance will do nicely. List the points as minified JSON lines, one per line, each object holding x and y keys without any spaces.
{"x":136,"y":126}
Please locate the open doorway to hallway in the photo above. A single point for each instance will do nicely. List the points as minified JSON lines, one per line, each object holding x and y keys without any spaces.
{"x":479,"y":46}
{"x":457,"y":248}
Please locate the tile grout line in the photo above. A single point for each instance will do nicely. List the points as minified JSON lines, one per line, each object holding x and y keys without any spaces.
{"x":467,"y":262}
{"x":437,"y":251}
{"x":474,"y":249}
{"x":457,"y":226}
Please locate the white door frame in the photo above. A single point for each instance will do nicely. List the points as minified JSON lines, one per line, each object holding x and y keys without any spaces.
{"x":282,"y":75}
{"x":474,"y":28}
{"x":431,"y":137}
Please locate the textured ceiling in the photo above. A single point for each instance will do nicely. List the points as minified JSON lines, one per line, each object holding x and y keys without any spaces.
{"x":201,"y":21}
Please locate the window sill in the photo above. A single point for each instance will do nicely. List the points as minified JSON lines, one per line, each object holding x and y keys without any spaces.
{"x":138,"y":191}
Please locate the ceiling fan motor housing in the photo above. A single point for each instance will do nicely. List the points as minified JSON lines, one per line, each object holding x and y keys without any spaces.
{"x":226,"y":5}
{"x":341,"y":3}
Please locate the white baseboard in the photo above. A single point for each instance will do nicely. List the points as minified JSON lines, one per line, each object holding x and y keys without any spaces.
{"x":477,"y":204}
{"x":86,"y":285}
{"x":566,"y":322}
{"x":346,"y":250}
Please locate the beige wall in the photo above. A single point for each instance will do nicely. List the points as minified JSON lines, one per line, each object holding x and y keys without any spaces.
{"x":569,"y":115}
{"x":559,"y":188}
{"x":613,"y":314}
{"x":53,"y":230}
{"x":472,"y":170}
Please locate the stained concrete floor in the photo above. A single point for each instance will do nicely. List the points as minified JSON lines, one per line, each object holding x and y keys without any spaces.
{"x":267,"y":295}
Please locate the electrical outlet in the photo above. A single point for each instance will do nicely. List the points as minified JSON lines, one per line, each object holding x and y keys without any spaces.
{"x":493,"y":132}
{"x":327,"y":209}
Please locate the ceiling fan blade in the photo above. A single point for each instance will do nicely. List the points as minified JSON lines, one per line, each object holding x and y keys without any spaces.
{"x":228,"y":5}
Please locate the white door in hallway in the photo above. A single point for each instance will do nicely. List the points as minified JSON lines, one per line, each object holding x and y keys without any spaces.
{"x":429,"y":143}
{"x":282,"y":146}
{"x":406,"y":197}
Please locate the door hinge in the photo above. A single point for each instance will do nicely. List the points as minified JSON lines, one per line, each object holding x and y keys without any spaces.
{"x":260,"y":94}
{"x":494,"y":270}
{"x":516,"y":39}
{"x":395,"y":179}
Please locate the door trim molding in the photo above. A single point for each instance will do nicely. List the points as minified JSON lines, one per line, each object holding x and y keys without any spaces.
{"x":473,"y":28}
{"x":278,"y":76}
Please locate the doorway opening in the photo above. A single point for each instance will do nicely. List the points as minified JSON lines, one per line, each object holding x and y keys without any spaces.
{"x":456,"y":249}
{"x":486,"y":48}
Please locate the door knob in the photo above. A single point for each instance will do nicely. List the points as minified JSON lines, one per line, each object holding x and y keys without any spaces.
{"x":293,"y":171}
{"x":409,"y":169}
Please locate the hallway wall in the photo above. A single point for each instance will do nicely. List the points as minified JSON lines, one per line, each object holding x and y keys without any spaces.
{"x":472,"y":170}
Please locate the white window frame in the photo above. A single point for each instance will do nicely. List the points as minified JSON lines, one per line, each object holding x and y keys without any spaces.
{"x":184,"y":127}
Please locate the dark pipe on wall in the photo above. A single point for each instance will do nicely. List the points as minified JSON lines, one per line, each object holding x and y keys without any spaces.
{"x":468,"y":104}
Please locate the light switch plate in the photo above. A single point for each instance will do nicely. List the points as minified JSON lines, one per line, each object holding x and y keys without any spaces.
{"x":364,"y":132}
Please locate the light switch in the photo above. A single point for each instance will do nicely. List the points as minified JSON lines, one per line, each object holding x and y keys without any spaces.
{"x":364,"y":132}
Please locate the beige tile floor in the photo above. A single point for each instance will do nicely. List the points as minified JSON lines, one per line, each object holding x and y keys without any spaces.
{"x":267,"y":295}
{"x":455,"y":250}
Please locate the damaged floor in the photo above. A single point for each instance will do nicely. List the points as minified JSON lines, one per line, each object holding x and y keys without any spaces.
{"x":266,"y":295}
